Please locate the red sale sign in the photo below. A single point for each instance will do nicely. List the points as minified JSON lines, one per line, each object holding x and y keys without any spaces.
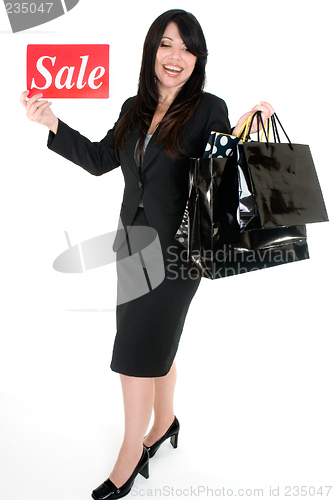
{"x":68,"y":71}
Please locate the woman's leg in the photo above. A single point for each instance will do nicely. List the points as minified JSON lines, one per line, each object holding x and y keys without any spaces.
{"x":163,"y":405}
{"x":138,"y":395}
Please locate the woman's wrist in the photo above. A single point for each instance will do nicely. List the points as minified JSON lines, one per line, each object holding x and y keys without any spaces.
{"x":54,"y":126}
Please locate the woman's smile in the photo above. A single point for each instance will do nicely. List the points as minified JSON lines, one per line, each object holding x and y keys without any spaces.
{"x":172,"y":70}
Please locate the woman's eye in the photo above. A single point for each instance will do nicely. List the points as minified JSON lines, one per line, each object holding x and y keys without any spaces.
{"x":164,"y":44}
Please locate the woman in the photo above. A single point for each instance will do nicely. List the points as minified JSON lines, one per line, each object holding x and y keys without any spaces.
{"x":168,"y":122}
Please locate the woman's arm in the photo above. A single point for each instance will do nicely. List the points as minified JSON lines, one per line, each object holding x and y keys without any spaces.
{"x":217,"y":118}
{"x":95,"y":157}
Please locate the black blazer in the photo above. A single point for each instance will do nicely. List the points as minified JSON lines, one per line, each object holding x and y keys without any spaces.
{"x":163,"y":183}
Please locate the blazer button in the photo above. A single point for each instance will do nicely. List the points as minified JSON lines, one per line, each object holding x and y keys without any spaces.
{"x":140,"y":184}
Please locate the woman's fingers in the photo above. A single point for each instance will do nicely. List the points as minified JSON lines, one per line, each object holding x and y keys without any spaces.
{"x":265,"y":108}
{"x":33,"y":103}
{"x":30,"y":100}
{"x":267,"y":111}
{"x":269,"y":106}
{"x":39,"y":110}
{"x":23,"y":98}
{"x":34,"y":106}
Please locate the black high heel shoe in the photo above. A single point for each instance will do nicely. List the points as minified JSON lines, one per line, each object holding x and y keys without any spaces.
{"x":171,"y":433}
{"x":108,"y":490}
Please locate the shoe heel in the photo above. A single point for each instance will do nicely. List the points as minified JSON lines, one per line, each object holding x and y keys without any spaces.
{"x":145,"y":471}
{"x":174,"y":440}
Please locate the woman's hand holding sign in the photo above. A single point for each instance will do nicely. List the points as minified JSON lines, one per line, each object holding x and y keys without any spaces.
{"x":39,"y":111}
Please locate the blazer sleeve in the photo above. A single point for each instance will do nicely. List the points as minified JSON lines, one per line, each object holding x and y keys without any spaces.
{"x":218,"y":119}
{"x":95,"y":157}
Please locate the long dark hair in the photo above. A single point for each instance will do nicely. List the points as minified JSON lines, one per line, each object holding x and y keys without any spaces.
{"x":146,"y":101}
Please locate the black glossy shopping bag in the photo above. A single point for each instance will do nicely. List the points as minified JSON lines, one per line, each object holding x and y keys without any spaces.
{"x":217,"y":247}
{"x":280,"y":183}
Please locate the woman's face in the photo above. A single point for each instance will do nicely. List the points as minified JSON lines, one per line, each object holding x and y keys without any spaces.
{"x":174,"y":64}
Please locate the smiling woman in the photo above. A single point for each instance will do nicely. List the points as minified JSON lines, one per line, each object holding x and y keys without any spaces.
{"x":167,"y":99}
{"x":168,"y":122}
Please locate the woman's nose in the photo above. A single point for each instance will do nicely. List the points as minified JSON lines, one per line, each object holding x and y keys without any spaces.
{"x":176,"y":53}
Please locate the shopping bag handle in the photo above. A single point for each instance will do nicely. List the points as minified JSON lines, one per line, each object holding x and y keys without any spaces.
{"x":257,"y":115}
{"x":242,"y":132}
{"x":275,"y":118}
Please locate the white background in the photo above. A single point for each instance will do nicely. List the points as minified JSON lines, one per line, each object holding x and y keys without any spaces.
{"x":254,"y":394}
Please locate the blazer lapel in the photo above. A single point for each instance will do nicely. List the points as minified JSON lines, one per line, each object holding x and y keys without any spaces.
{"x":128,"y":151}
{"x":152,"y":150}
{"x":155,"y":147}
